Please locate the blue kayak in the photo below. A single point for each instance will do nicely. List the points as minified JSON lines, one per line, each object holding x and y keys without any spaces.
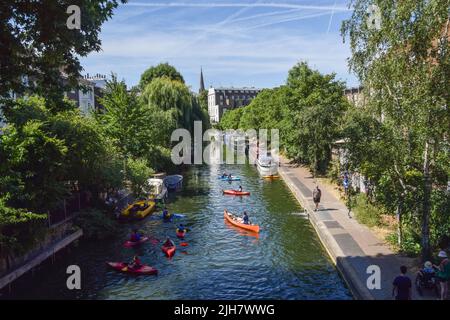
{"x":233,"y":178}
{"x":174,"y":215}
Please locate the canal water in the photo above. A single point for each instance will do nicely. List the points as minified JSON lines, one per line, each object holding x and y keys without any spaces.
{"x":286,"y":260}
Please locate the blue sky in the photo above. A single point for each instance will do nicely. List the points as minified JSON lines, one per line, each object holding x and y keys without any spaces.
{"x":237,"y":42}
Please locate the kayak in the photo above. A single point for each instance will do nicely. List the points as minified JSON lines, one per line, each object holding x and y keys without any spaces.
{"x":169,"y":250}
{"x":129,"y":244}
{"x":174,"y":215}
{"x":123,"y":267}
{"x":250,"y":227}
{"x":139,"y":209}
{"x":233,"y":178}
{"x":181,"y":234}
{"x":236,"y":192}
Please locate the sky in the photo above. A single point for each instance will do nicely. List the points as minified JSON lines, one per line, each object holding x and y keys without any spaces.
{"x":250,"y":43}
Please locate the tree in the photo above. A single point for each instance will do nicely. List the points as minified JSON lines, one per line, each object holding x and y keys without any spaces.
{"x":315,"y":105}
{"x":231,"y":119}
{"x":138,"y":175}
{"x":203,"y":99}
{"x":36,"y":43}
{"x":42,"y":153}
{"x":265,"y":111}
{"x":172,"y":98}
{"x":159,"y":71}
{"x":404,"y":66}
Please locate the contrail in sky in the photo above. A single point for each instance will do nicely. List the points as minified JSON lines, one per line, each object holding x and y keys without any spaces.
{"x":222,"y":5}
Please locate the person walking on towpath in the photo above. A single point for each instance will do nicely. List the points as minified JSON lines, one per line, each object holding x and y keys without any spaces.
{"x":443,"y":273}
{"x":402,"y":285}
{"x":317,"y":193}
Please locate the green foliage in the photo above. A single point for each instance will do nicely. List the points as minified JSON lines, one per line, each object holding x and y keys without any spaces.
{"x":172,"y":98}
{"x":31,"y":159}
{"x":19,"y":228}
{"x":42,"y":27}
{"x":138,"y":174}
{"x":43,"y":153}
{"x":160,"y":71}
{"x":200,"y":111}
{"x":440,"y":218}
{"x":307,"y":111}
{"x":404,"y":67}
{"x":203,"y":100}
{"x":96,"y":224}
{"x":316,"y":105}
{"x":231,"y":119}
{"x":365,"y":212}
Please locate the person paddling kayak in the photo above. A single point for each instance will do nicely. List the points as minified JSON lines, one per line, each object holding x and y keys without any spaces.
{"x":168,"y":243}
{"x":181,"y":228}
{"x":240,"y":189}
{"x":135,"y":236}
{"x":135,"y":264}
{"x":166,"y":214}
{"x":245,"y":218}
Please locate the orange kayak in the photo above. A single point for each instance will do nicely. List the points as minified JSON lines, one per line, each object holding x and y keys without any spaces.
{"x":236,"y":192}
{"x":250,"y":227}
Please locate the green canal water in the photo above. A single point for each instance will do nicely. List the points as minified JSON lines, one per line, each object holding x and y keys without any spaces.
{"x":286,"y":260}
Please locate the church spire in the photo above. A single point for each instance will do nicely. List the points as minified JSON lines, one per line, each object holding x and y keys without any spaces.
{"x":202,"y":82}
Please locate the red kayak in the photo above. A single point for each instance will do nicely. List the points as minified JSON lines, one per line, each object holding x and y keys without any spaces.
{"x":169,"y":250}
{"x":130,"y":244}
{"x":236,"y":192}
{"x":123,"y":267}
{"x":181,"y":234}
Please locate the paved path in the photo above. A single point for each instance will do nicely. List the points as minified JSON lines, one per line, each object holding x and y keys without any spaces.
{"x":352,"y":246}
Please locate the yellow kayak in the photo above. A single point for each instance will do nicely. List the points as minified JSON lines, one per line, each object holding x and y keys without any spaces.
{"x":139,"y":209}
{"x":271,"y":177}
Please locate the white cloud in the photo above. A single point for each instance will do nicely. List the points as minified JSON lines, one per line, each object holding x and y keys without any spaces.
{"x":245,"y":45}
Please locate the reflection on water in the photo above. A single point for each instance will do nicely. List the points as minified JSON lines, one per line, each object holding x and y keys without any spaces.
{"x":220,"y":261}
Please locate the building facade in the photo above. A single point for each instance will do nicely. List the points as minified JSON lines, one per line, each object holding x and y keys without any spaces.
{"x":222,"y":99}
{"x":355,"y":96}
{"x":87,"y":97}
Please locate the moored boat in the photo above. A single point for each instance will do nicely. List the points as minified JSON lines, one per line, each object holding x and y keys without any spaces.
{"x":173,"y":182}
{"x":138,"y":209}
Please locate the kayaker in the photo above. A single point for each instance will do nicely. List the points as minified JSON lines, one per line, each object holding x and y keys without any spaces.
{"x":240,"y":189}
{"x":166,"y":214}
{"x":168,"y":243}
{"x":224,"y":175}
{"x":135,"y":236}
{"x":136,"y":263}
{"x":245,"y":218}
{"x":230,"y":177}
{"x":181,"y":228}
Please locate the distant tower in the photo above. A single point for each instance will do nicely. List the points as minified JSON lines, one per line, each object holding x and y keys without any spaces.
{"x":202,"y":82}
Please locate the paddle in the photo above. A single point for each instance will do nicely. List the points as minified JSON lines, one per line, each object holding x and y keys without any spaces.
{"x":154,"y":240}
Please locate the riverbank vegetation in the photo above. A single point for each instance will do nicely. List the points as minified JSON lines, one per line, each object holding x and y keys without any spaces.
{"x":50,"y":150}
{"x":47,"y":154}
{"x":397,"y":136}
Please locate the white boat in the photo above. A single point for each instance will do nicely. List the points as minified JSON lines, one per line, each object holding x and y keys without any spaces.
{"x":159,"y":190}
{"x":173,"y":182}
{"x":267,"y":166}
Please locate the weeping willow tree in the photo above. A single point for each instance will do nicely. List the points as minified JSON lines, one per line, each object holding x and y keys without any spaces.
{"x":400,"y":54}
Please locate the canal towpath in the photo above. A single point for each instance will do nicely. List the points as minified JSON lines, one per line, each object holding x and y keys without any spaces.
{"x":352,"y":246}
